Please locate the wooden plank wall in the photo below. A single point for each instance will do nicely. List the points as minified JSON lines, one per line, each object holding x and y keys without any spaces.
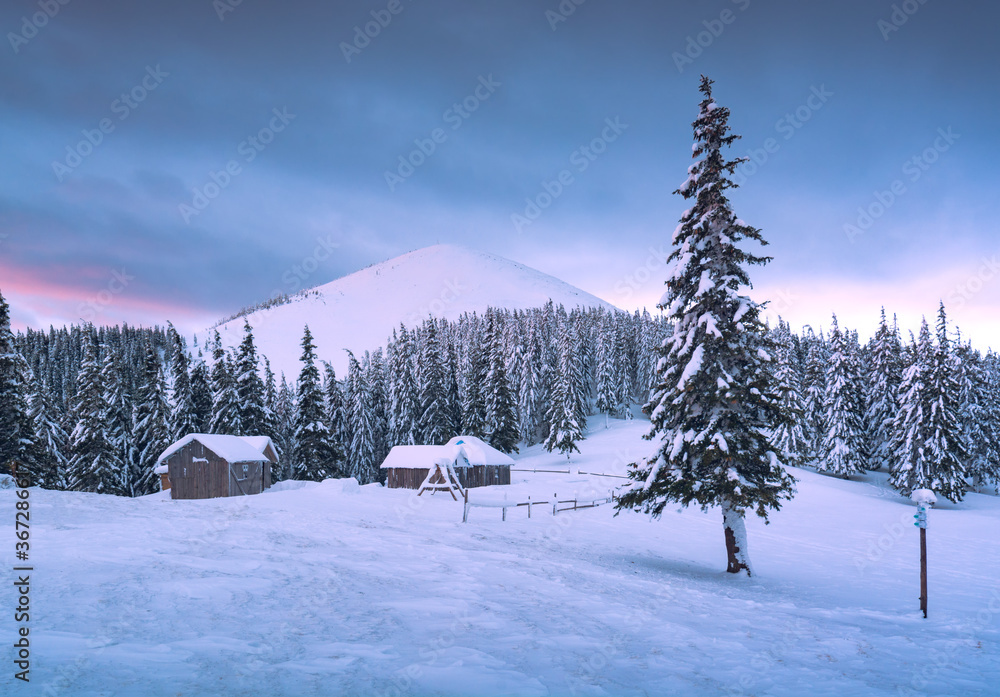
{"x":213,"y":479}
{"x":468,"y":477}
{"x":241,"y":484}
{"x":197,"y":480}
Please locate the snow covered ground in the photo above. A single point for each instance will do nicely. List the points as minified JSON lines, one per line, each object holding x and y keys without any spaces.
{"x":335,"y":589}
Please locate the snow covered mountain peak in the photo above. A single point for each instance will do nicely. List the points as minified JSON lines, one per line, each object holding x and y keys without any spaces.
{"x":359,"y":311}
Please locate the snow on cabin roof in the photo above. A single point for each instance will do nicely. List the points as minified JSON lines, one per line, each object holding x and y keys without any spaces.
{"x":477,"y":452}
{"x":464,"y":451}
{"x":258,"y":442}
{"x":412,"y":456}
{"x":229,"y":448}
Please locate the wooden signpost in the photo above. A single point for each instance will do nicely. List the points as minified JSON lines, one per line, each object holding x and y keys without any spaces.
{"x":924,"y":498}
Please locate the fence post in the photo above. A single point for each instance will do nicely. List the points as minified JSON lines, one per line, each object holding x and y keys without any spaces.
{"x":465,"y":507}
{"x":529,"y":506}
{"x":555,"y":503}
{"x":505,"y":514}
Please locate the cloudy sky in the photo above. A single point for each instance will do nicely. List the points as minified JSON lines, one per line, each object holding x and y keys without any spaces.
{"x":178,"y":160}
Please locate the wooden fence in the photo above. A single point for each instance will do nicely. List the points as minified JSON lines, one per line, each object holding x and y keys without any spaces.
{"x":513,"y":469}
{"x":594,"y":474}
{"x":555,"y":502}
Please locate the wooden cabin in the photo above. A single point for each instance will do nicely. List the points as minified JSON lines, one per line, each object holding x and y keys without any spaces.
{"x":476,"y":463}
{"x":206,"y":466}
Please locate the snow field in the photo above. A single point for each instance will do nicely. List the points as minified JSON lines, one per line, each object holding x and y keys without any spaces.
{"x":332,"y":588}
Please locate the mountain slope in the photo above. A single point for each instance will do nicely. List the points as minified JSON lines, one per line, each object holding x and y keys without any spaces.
{"x":359,"y":311}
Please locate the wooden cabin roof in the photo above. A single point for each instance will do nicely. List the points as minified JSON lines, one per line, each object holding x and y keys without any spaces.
{"x":463,"y":451}
{"x":229,"y":448}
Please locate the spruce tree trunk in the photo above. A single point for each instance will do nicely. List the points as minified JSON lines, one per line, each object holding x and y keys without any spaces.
{"x":736,"y":540}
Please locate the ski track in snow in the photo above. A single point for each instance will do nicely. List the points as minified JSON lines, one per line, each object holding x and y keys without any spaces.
{"x":321,"y":589}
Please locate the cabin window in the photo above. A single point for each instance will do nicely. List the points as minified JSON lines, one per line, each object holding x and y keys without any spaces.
{"x":246,"y":469}
{"x":185,"y":471}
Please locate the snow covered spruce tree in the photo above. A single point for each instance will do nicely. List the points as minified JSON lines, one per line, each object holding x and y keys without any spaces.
{"x":883,"y":393}
{"x":927,"y":442}
{"x":790,"y":435}
{"x":843,"y":443}
{"x":17,"y":438}
{"x":316,"y":456}
{"x":334,"y":405}
{"x":814,"y":386}
{"x":284,"y":412}
{"x":473,"y":400}
{"x":403,"y":401}
{"x":715,"y":403}
{"x":565,"y":417}
{"x":94,"y":463}
{"x":530,"y":389}
{"x":201,"y":395}
{"x":362,"y":449}
{"x":152,"y":430}
{"x":51,"y":439}
{"x":255,"y":418}
{"x":986,"y":470}
{"x":501,"y":416}
{"x":434,"y":424}
{"x":183,"y":414}
{"x":979,"y":430}
{"x":607,"y":401}
{"x":225,"y":400}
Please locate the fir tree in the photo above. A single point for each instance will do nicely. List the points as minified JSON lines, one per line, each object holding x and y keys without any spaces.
{"x":363,"y":462}
{"x":374,"y":378}
{"x":973,"y":413}
{"x":403,"y":403}
{"x":316,"y":456}
{"x":118,"y":426}
{"x":843,"y":445}
{"x":790,"y":436}
{"x":563,"y":416}
{"x":183,"y":414}
{"x":985,"y":458}
{"x":434,"y":425}
{"x":715,"y":403}
{"x":152,"y":431}
{"x":473,"y":400}
{"x":51,"y":467}
{"x":94,"y":464}
{"x":201,"y":396}
{"x":501,"y":418}
{"x":284,"y":413}
{"x":270,"y":404}
{"x":254,"y":417}
{"x":624,"y":377}
{"x":607,"y":400}
{"x":225,"y":399}
{"x":927,"y":437}
{"x":814,"y":386}
{"x":17,"y":437}
{"x":883,"y":393}
{"x":530,"y":408}
{"x":334,"y":405}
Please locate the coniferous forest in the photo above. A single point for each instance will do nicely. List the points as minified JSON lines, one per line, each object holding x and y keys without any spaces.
{"x":90,"y":408}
